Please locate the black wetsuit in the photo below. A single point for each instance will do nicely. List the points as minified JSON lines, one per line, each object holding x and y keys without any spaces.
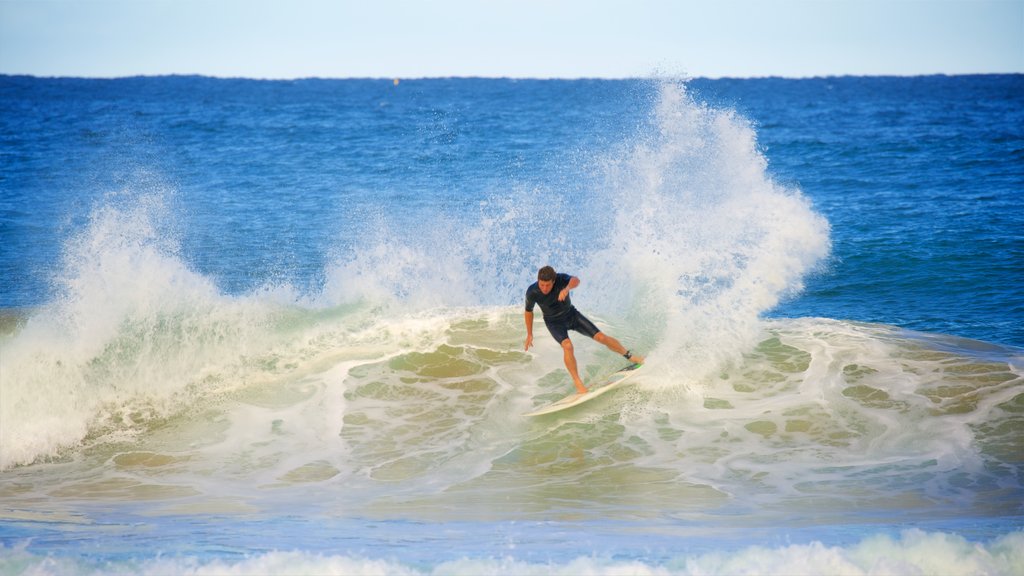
{"x":559,"y":317}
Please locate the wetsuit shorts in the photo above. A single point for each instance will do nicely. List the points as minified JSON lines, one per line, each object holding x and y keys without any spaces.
{"x":573,"y":320}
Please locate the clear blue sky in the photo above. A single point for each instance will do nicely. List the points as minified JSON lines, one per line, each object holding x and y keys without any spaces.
{"x":515,"y":38}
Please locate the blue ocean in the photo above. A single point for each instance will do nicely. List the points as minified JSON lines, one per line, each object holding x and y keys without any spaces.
{"x":276,"y":327}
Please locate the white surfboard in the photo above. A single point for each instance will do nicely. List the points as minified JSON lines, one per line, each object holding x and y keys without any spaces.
{"x":607,"y":385}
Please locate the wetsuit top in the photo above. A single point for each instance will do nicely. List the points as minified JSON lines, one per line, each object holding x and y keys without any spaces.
{"x":549,"y":304}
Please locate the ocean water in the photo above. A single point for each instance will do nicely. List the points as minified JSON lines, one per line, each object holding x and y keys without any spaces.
{"x":276,"y":327}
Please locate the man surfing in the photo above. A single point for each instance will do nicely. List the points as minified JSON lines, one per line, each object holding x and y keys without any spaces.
{"x":551,"y":292}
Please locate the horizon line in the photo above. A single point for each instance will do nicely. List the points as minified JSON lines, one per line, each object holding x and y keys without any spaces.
{"x":676,"y":77}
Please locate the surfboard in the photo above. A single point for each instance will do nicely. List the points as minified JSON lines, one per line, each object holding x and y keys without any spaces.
{"x":607,"y":385}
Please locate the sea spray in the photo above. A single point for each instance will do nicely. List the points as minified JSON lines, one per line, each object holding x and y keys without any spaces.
{"x":485,"y":257}
{"x":704,"y":240}
{"x":682,"y":240}
{"x":130,"y":328}
{"x":355,"y":437}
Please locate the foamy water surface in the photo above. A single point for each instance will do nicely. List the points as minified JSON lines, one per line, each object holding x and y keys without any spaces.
{"x":232,"y":371}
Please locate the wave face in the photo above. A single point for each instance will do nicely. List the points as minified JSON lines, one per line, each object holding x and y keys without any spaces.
{"x":355,"y":386}
{"x":696,"y":243}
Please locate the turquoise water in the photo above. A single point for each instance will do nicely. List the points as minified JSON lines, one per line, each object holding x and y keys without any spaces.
{"x":276,"y":327}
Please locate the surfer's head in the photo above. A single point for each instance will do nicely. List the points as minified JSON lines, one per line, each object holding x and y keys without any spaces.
{"x":546,"y":279}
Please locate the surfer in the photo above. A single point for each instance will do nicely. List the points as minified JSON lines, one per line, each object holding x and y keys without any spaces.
{"x":551,"y":292}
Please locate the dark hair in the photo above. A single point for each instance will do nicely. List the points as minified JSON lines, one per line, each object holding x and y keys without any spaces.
{"x":546,"y":274}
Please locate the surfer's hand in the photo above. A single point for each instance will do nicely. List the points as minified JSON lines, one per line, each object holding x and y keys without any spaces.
{"x":563,"y":295}
{"x":529,"y":342}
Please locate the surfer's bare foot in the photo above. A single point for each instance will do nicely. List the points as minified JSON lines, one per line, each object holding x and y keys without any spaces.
{"x":636,"y":359}
{"x":580,"y":388}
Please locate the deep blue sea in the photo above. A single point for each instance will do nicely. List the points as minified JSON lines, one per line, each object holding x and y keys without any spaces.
{"x":276,"y":327}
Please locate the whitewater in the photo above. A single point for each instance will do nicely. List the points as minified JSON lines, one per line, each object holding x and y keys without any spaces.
{"x":302,"y":350}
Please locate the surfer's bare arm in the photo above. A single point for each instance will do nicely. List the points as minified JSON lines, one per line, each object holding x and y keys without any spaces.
{"x":529,"y":329}
{"x":573,"y":283}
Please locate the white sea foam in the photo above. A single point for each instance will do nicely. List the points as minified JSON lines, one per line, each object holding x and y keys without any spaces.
{"x":131,"y":327}
{"x":682,"y":241}
{"x":704,"y":240}
{"x":913,"y":552}
{"x":398,"y":389}
{"x":408,"y":368}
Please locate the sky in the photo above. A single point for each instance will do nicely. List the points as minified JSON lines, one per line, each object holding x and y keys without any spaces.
{"x":510,"y":38}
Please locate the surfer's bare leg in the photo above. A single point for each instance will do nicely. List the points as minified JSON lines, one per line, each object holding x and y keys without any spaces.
{"x":617,"y":347}
{"x":570,"y":365}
